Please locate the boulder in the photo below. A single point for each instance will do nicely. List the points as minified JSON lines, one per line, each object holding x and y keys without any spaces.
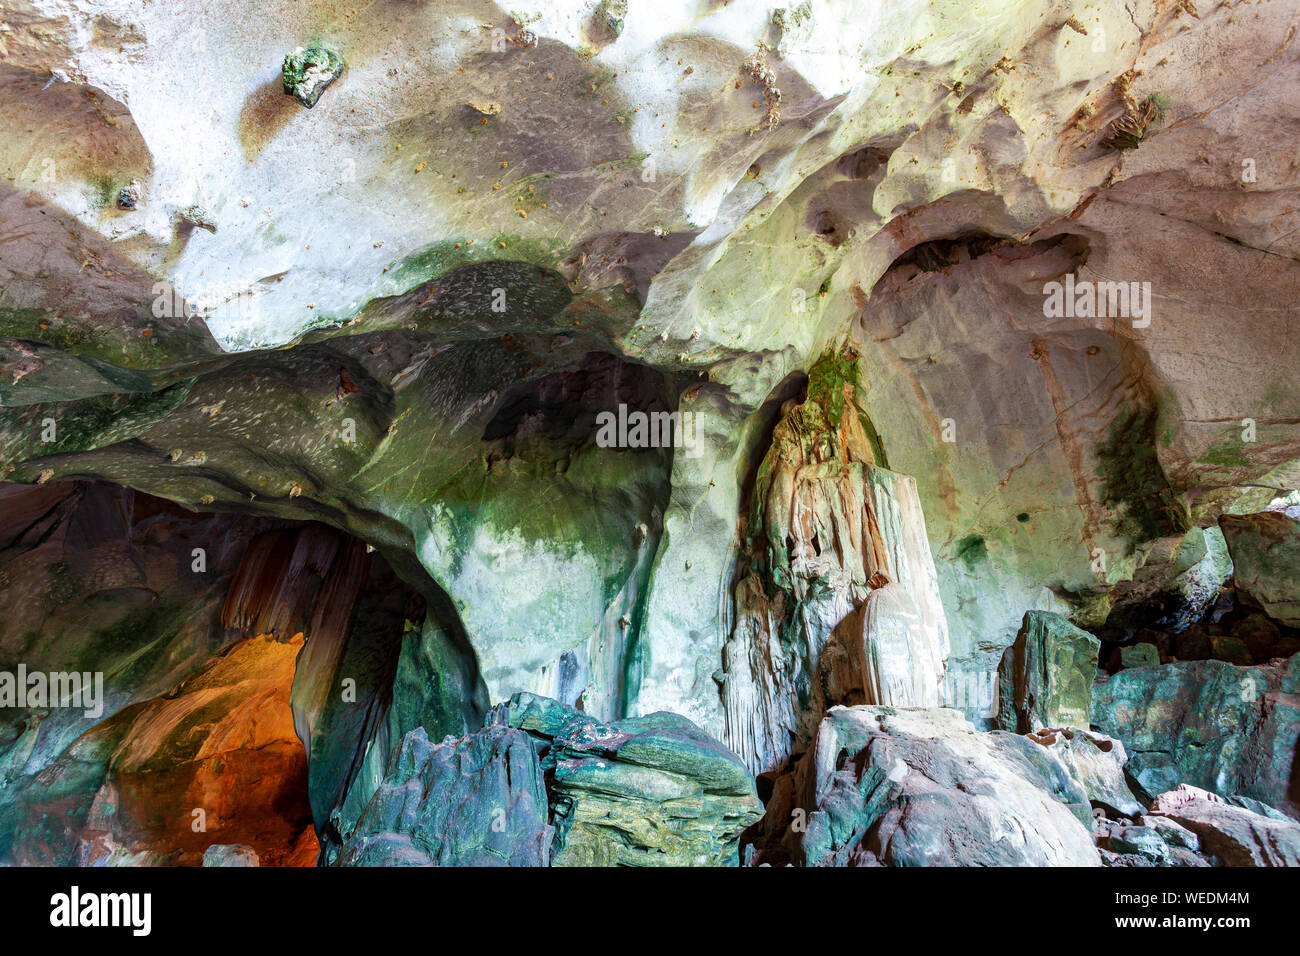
{"x":543,"y":784}
{"x":1211,"y":724}
{"x":643,"y":791}
{"x":1096,"y":762}
{"x":1233,"y":836}
{"x":1174,"y":833}
{"x":1144,"y":845}
{"x":922,"y":787}
{"x":1177,"y":581}
{"x":230,"y":854}
{"x":1045,"y":677}
{"x":1139,"y":655}
{"x":1265,"y":551}
{"x":479,"y":800}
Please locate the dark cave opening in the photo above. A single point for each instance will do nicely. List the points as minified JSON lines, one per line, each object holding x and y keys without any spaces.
{"x":200,"y":701}
{"x":563,"y":407}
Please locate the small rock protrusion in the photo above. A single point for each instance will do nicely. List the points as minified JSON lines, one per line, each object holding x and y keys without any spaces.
{"x":129,"y":195}
{"x":308,"y":71}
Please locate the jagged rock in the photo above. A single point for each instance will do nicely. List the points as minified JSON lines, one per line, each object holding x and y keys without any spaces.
{"x":1174,"y":833}
{"x":1092,"y":436}
{"x":643,"y":791}
{"x":646,"y":791}
{"x":1096,"y":761}
{"x":1232,"y":835}
{"x":214,"y":758}
{"x":475,"y":801}
{"x":1045,"y":678}
{"x":1154,"y":841}
{"x":129,"y":195}
{"x":1178,"y":579}
{"x":725,"y":194}
{"x":230,"y":854}
{"x":841,"y":602}
{"x":1231,"y":730}
{"x":924,"y":788}
{"x":307,"y":72}
{"x":1265,"y":552}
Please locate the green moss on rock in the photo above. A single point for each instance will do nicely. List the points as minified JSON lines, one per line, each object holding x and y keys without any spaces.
{"x":1136,"y":487}
{"x":307,"y":72}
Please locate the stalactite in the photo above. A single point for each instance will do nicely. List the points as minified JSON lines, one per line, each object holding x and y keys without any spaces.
{"x":327,"y":635}
{"x":277,"y":580}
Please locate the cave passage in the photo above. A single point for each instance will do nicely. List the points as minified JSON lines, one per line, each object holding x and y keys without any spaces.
{"x":186,"y":739}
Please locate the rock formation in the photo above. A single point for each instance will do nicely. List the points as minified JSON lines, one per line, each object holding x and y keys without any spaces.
{"x":1045,"y":678}
{"x":840,"y":603}
{"x":613,"y":414}
{"x":645,"y":791}
{"x":923,"y":788}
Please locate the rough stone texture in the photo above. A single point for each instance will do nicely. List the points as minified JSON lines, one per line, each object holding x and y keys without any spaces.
{"x":1232,"y":835}
{"x":847,"y":176}
{"x":852,"y":614}
{"x":645,"y":791}
{"x":1155,"y":841}
{"x":648,"y":791}
{"x":230,"y":854}
{"x":924,"y":788}
{"x":1176,"y":580}
{"x":1230,"y":730}
{"x":683,"y":207}
{"x":475,"y":801}
{"x":156,"y":783}
{"x":1142,"y":655}
{"x":1265,"y":551}
{"x":1045,"y":678}
{"x":1097,"y":762}
{"x":307,"y":72}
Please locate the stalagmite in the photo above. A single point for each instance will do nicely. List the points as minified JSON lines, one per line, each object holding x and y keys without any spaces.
{"x":841,"y":603}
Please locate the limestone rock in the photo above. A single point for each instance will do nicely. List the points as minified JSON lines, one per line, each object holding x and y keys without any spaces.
{"x":230,"y":854}
{"x":1045,"y":678}
{"x":924,"y":788}
{"x":1227,"y":729}
{"x":645,"y":791}
{"x":1232,"y":835}
{"x":542,"y":784}
{"x":307,"y":72}
{"x":1154,"y":841}
{"x":840,"y":602}
{"x":1097,"y":762}
{"x":475,"y":801}
{"x":1139,"y":655}
{"x":1176,"y":581}
{"x":683,"y":207}
{"x":1265,"y":551}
